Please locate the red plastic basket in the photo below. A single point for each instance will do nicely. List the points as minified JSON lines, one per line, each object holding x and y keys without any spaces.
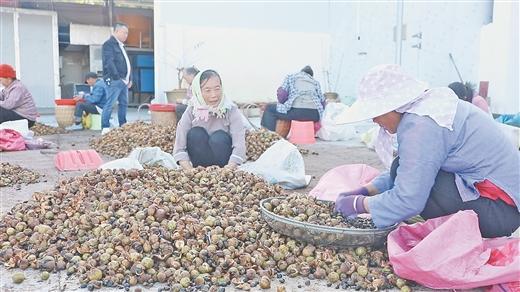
{"x":66,"y":101}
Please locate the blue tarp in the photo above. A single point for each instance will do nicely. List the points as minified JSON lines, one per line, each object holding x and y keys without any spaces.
{"x":513,"y":120}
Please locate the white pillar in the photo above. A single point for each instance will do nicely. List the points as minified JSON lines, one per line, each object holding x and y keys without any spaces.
{"x":499,"y":61}
{"x":16,"y":32}
{"x":399,"y":31}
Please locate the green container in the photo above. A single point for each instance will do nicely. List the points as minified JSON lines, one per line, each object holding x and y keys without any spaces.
{"x":95,"y":121}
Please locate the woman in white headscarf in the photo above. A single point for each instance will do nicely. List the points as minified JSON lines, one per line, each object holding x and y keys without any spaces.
{"x":451,"y":156}
{"x":211,"y":131}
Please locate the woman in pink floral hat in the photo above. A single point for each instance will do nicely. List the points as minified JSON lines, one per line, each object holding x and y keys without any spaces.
{"x":451,"y":156}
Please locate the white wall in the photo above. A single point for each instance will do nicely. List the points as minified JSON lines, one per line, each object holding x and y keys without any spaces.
{"x":252,"y":45}
{"x":362,"y":37}
{"x":7,"y":34}
{"x":81,"y":34}
{"x":445,"y":26}
{"x":251,"y":62}
{"x":361,"y":33}
{"x":499,"y":58}
{"x":295,"y":16}
{"x":31,"y":47}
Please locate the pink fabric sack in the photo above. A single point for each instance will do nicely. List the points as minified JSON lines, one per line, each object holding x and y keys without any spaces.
{"x":341,"y":179}
{"x":11,"y":140}
{"x":449,"y":253}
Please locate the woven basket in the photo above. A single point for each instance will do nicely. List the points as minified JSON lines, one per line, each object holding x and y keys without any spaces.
{"x":176,"y":95}
{"x":64,"y":115}
{"x":164,"y":118}
{"x":283,"y":127}
{"x":163,"y":114}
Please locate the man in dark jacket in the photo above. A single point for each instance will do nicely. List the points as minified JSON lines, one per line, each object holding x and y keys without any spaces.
{"x":116,"y":70}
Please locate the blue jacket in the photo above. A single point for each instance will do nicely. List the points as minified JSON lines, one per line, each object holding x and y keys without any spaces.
{"x":474,"y":151}
{"x":98,"y":96}
{"x":114,"y":63}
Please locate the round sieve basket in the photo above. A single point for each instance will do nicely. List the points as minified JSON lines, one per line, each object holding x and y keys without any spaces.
{"x":320,"y":235}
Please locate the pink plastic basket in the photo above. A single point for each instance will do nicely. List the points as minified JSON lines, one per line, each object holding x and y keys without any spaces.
{"x":77,"y":160}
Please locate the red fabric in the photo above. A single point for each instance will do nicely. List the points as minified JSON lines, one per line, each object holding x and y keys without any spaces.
{"x":502,"y":256}
{"x":317,"y":127}
{"x":11,"y":140}
{"x":507,"y":287}
{"x":6,"y":71}
{"x":489,"y":190}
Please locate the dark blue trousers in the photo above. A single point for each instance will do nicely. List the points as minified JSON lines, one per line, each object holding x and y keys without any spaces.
{"x":10,"y":115}
{"x":205,"y":150}
{"x":496,"y":218}
{"x":270,"y":116}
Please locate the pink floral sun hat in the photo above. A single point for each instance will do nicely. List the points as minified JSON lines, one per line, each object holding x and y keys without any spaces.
{"x":383,"y":89}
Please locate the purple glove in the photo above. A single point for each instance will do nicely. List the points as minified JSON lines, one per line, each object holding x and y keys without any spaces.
{"x":361,"y":191}
{"x":282,"y":95}
{"x":350,"y":205}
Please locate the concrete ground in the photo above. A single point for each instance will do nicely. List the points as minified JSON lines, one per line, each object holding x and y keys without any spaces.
{"x":329,"y":155}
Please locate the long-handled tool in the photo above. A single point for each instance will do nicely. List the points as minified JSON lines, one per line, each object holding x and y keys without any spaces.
{"x":457,"y":69}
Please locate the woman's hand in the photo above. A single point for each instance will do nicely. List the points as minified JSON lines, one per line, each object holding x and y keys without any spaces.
{"x":367,"y":190}
{"x":351,"y":205}
{"x":185,"y":164}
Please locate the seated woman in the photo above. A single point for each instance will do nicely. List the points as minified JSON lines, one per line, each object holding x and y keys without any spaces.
{"x":299,"y":98}
{"x":188,"y":74}
{"x":211,"y":131}
{"x":465,"y":93}
{"x":451,"y":156}
{"x":16,"y":102}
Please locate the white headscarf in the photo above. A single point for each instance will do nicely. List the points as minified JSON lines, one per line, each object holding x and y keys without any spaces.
{"x":201,"y":110}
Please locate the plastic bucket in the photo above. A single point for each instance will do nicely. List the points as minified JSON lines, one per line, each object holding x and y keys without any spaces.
{"x":95,"y":122}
